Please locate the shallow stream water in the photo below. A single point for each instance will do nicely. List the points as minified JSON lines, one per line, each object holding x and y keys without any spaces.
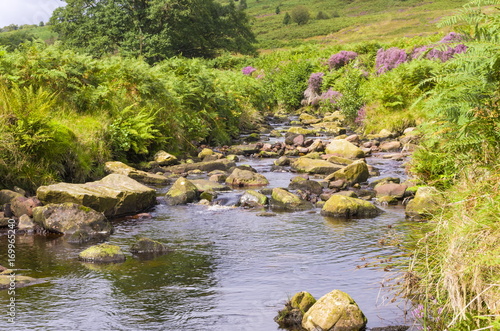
{"x":230,"y":269}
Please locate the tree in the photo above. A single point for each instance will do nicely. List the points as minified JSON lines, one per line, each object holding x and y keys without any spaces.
{"x":287,"y":19}
{"x":154,"y":29}
{"x":278,"y":10}
{"x":300,"y":15}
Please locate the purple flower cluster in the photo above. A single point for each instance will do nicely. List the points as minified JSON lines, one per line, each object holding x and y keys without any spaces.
{"x":446,"y":54}
{"x":340,"y":59}
{"x":389,"y":59}
{"x":248,"y":70}
{"x":361,"y":115}
{"x":331,"y":96}
{"x":452,"y":37}
{"x":315,"y":81}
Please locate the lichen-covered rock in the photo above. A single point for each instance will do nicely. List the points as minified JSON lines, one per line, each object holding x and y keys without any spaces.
{"x":303,"y":131}
{"x":208,"y":185}
{"x":300,"y":183}
{"x":114,"y":195}
{"x":282,"y":161}
{"x":283,"y":200}
{"x":116,"y":167}
{"x":334,"y":311}
{"x":290,"y":317}
{"x":181,"y":192}
{"x":303,"y":301}
{"x":146,"y":245}
{"x":70,"y":218}
{"x":426,"y":202}
{"x":346,"y":207}
{"x":246,"y":178}
{"x":332,"y":128}
{"x":26,"y":224}
{"x":252,"y":198}
{"x":345,"y":149}
{"x":308,"y":119}
{"x":165,"y":159}
{"x":222,"y":164}
{"x":244,"y":149}
{"x":339,"y":160}
{"x":17,"y":281}
{"x":103,"y":253}
{"x":390,"y":146}
{"x":313,"y":166}
{"x":356,"y":172}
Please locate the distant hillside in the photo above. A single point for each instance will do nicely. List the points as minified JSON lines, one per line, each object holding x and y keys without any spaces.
{"x":345,"y":20}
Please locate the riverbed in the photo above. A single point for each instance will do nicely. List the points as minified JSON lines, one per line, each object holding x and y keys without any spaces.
{"x":229,"y":268}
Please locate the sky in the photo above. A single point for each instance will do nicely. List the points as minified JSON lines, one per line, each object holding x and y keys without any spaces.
{"x":27,"y":11}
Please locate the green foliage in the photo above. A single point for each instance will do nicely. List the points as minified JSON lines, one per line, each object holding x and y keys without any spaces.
{"x":11,"y":40}
{"x":154,"y":29}
{"x":300,"y":15}
{"x":322,"y":16}
{"x":287,"y":19}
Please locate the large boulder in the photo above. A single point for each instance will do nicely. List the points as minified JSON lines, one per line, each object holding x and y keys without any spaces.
{"x":222,"y":164}
{"x":390,"y":189}
{"x":103,"y":253}
{"x":356,"y":172}
{"x":72,"y":219}
{"x":181,"y":192}
{"x":346,"y":207}
{"x":244,"y":149}
{"x":314,"y":166}
{"x":209,"y":185}
{"x":114,"y":195}
{"x":334,"y":311}
{"x":300,"y":183}
{"x":426,"y":202}
{"x":281,"y":199}
{"x":343,"y":148}
{"x":116,"y":167}
{"x":246,"y":178}
{"x":252,"y":198}
{"x":165,"y":159}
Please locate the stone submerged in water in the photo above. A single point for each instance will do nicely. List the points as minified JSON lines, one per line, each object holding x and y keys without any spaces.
{"x":103,"y":253}
{"x":346,"y":207}
{"x":72,"y":219}
{"x":334,"y":311}
{"x":114,"y":195}
{"x":148,"y":246}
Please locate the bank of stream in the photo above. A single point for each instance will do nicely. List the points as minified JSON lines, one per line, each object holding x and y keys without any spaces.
{"x":229,"y":269}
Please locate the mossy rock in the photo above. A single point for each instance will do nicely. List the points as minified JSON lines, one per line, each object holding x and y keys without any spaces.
{"x":346,"y":207}
{"x":334,"y":311}
{"x":300,"y":183}
{"x":312,"y":166}
{"x":427,"y":201}
{"x":303,"y":301}
{"x":20,"y":281}
{"x":281,"y":199}
{"x":222,"y":164}
{"x":300,"y":130}
{"x":246,"y":178}
{"x":208,"y":185}
{"x":116,"y":167}
{"x":252,"y":198}
{"x":345,"y":149}
{"x":146,"y":245}
{"x":6,"y":196}
{"x":165,"y":159}
{"x":103,"y":253}
{"x":356,"y":172}
{"x":181,"y":192}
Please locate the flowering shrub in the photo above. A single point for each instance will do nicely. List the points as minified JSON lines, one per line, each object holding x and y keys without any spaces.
{"x":248,"y":70}
{"x":330,"y":96}
{"x":361,"y":116}
{"x":389,"y":59}
{"x":446,"y":54}
{"x":452,"y":37}
{"x":315,"y":81}
{"x":340,"y":59}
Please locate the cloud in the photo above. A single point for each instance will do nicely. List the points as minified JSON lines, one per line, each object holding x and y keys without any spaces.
{"x":27,"y":11}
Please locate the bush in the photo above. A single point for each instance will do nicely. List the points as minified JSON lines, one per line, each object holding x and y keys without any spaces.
{"x":341,"y":58}
{"x":389,"y":59}
{"x":300,"y":15}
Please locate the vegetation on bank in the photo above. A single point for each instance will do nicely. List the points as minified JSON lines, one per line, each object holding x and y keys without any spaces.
{"x":64,"y":113}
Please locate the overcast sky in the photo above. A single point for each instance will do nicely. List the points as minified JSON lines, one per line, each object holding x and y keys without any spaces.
{"x":27,"y":11}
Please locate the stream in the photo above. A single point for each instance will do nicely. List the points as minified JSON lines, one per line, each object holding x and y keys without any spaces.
{"x":229,"y":268}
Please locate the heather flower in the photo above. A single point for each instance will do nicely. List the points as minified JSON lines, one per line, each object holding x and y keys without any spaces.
{"x":418,"y":51}
{"x":330,"y":96}
{"x":447,"y":54}
{"x":361,"y":115}
{"x":389,"y":59}
{"x":248,"y":70}
{"x":452,"y":37}
{"x":315,"y":81}
{"x":340,"y":59}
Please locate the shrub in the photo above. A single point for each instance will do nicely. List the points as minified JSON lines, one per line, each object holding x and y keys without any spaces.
{"x":340,"y":59}
{"x":300,"y":15}
{"x":322,"y":16}
{"x":315,"y":81}
{"x":389,"y":59}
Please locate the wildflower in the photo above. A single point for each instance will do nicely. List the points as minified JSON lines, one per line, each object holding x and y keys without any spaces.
{"x":389,"y":59}
{"x":248,"y":70}
{"x":315,"y":81}
{"x":452,"y":37}
{"x":340,"y":59}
